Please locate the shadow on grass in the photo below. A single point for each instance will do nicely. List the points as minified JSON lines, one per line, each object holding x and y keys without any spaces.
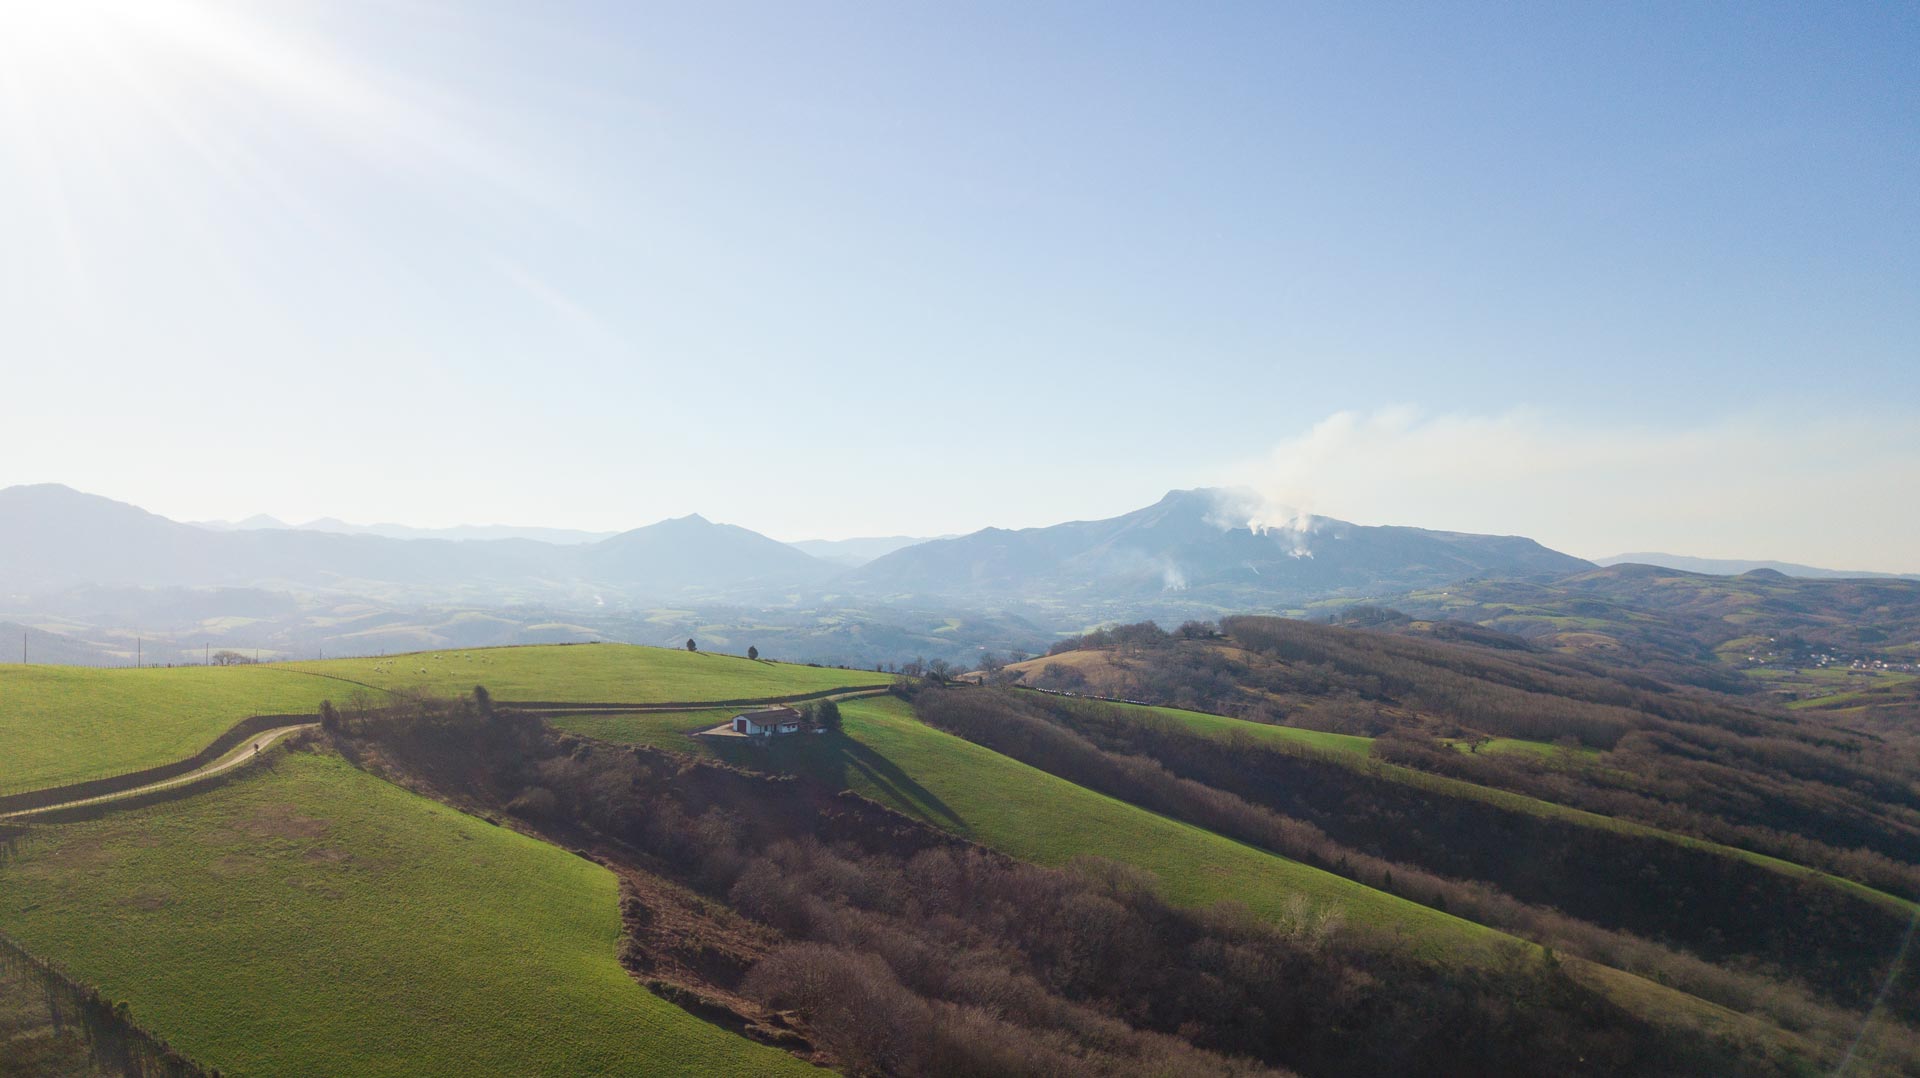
{"x":887,"y":775}
{"x":834,"y":759}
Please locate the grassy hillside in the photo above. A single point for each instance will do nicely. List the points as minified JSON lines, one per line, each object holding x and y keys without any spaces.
{"x":886,"y":753}
{"x":1353,"y":752}
{"x":61,"y":724}
{"x":1791,"y":784}
{"x":890,"y":756}
{"x":624,"y":673}
{"x":466,"y":943}
{"x":661,"y":729}
{"x":316,"y":920}
{"x":1038,"y":817}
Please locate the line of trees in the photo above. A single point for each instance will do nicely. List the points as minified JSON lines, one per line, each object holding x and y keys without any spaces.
{"x":908,"y":951}
{"x":1551,"y":879}
{"x":1676,"y":758}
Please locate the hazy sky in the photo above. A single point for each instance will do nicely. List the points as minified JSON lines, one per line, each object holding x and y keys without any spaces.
{"x":1615,"y":276}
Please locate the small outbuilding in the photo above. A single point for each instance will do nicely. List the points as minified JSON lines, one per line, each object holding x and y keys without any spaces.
{"x":767,"y":722}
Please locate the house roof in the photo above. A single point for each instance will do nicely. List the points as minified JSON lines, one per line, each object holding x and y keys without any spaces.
{"x":767,"y":715}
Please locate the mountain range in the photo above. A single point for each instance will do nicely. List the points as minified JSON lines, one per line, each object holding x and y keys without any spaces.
{"x":846,"y":553}
{"x":1737,"y":566}
{"x":1180,"y":549}
{"x":463,"y":532}
{"x":103,"y":573}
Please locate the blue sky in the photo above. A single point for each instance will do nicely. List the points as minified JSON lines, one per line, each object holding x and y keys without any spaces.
{"x":832,"y":269}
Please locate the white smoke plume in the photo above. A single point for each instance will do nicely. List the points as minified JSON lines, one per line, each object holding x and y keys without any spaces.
{"x":1837,"y":494}
{"x":1247,"y":507}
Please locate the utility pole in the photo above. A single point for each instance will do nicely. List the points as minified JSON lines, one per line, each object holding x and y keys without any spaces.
{"x":138,"y":661}
{"x":206,"y":654}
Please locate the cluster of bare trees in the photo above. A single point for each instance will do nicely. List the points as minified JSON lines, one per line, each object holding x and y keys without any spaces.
{"x":908,"y":951}
{"x":1554,"y":880}
{"x":1674,"y":757}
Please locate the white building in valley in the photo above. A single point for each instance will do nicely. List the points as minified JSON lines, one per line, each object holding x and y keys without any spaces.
{"x":767,"y":722}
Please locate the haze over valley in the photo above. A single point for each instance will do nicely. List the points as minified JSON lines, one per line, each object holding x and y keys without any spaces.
{"x":959,"y":540}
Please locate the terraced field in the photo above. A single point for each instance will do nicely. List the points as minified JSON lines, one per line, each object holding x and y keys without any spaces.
{"x":313,"y":919}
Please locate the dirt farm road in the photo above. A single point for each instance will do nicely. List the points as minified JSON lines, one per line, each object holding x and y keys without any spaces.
{"x":239,"y":755}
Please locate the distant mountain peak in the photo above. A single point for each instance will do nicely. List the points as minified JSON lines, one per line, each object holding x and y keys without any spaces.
{"x":1739,"y":566}
{"x":1222,"y":547}
{"x":52,"y":492}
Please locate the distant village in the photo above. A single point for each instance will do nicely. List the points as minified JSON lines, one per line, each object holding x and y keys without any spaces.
{"x":1809,"y":657}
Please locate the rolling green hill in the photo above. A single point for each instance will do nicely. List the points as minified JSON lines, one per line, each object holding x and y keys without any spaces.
{"x":318,"y":842}
{"x":622,"y":673}
{"x":313,"y":919}
{"x":887,"y":754}
{"x":1792,"y":784}
{"x":1354,"y":752}
{"x":60,"y":724}
{"x":900,"y":761}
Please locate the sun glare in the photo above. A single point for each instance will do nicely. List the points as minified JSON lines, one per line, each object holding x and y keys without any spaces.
{"x":67,"y":61}
{"x":45,"y":36}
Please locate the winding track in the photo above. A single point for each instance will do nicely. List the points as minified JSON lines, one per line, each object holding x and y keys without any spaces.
{"x":239,"y":755}
{"x":251,"y":748}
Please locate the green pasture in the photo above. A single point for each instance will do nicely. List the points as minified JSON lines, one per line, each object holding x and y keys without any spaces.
{"x":661,"y":729}
{"x":62,"y":724}
{"x":887,"y":754}
{"x":1353,"y":745}
{"x":312,"y":919}
{"x":1222,"y":726}
{"x":1349,"y":756}
{"x":588,"y":673}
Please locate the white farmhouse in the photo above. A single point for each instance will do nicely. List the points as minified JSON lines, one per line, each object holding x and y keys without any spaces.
{"x":767,"y":722}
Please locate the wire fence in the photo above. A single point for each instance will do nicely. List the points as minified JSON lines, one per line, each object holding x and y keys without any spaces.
{"x":113,"y":1040}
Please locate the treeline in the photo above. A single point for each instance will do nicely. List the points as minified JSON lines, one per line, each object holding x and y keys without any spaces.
{"x":911,"y":952}
{"x":113,"y":1042}
{"x":1158,"y":767}
{"x":1671,"y":791}
{"x":1424,"y":843}
{"x":1678,"y":759}
{"x":726,"y":832}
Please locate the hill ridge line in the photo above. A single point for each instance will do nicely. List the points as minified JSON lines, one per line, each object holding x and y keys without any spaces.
{"x":1520,"y":802}
{"x":163,"y":775}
